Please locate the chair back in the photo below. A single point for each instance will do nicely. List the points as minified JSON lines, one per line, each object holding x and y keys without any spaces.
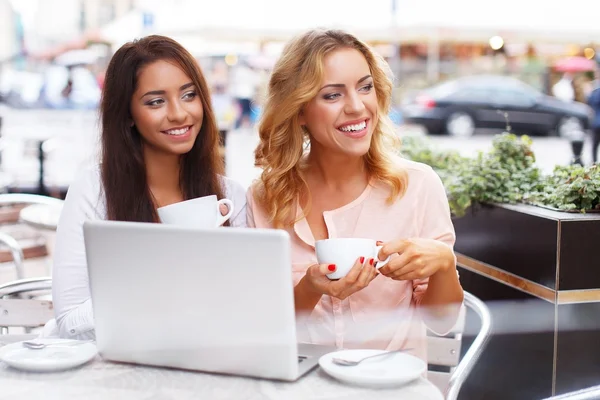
{"x":22,"y":248}
{"x":446,"y":369}
{"x":21,"y":304}
{"x":466,"y":364}
{"x":17,"y":253}
{"x":443,"y":352}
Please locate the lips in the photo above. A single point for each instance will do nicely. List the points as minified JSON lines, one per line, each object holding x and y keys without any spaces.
{"x":180,"y":131}
{"x":354,"y":129}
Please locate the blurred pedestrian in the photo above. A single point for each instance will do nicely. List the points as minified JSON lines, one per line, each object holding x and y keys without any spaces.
{"x":223,"y":107}
{"x":563,"y":89}
{"x":243,"y":87}
{"x":594,"y":102}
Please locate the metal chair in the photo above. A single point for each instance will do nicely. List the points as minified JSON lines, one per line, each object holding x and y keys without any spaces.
{"x":20,"y":305}
{"x":17,"y":253}
{"x":13,"y":246}
{"x":583,"y":394}
{"x":466,"y":364}
{"x":443,"y":352}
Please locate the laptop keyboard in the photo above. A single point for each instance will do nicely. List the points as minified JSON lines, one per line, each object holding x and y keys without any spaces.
{"x":301,"y":358}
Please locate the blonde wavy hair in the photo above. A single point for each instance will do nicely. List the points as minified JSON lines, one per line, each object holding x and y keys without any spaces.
{"x":295,"y":81}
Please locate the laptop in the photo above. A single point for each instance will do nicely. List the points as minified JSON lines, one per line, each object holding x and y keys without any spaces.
{"x":215,"y":300}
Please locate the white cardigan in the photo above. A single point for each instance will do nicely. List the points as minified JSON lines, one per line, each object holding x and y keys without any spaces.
{"x":70,"y":285}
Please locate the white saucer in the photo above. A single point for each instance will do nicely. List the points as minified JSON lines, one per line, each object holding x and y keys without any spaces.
{"x":55,"y":358}
{"x":385,"y":371}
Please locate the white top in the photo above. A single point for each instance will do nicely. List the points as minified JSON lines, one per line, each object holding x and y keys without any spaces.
{"x":70,"y":282}
{"x":563,"y":89}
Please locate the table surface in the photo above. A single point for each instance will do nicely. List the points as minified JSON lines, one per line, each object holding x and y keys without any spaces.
{"x":41,"y":216}
{"x":106,"y":380}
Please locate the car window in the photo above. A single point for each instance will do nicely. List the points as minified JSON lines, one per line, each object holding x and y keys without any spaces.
{"x":473,"y":94}
{"x":513,"y":97}
{"x":443,"y":89}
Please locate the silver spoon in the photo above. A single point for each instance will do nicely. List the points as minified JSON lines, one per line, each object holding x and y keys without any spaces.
{"x":351,"y":363}
{"x":32,"y":344}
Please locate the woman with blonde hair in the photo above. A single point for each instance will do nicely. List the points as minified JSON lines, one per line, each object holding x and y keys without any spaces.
{"x":330,"y":170}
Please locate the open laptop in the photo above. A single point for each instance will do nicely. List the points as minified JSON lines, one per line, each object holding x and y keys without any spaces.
{"x":216,"y":300}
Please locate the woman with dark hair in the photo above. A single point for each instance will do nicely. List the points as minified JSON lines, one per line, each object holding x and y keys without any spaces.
{"x":159,"y":146}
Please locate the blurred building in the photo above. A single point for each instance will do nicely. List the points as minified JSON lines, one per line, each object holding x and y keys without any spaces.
{"x":424,"y":42}
{"x":9,"y":41}
{"x":77,"y":18}
{"x":97,"y":13}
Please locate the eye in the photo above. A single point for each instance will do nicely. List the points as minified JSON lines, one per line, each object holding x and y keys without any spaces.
{"x":189,"y":95}
{"x":331,"y":96}
{"x":155,"y":102}
{"x":367,"y":87}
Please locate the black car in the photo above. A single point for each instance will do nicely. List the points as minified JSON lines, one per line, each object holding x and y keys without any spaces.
{"x":460,"y":106}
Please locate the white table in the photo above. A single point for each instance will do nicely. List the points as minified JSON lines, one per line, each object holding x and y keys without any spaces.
{"x":101,"y":380}
{"x":42,"y":216}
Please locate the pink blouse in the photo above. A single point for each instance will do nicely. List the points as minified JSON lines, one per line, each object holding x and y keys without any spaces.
{"x":384,"y":315}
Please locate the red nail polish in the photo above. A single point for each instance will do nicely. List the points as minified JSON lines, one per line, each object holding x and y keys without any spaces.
{"x":362,"y":260}
{"x":331,"y":267}
{"x":371,"y":260}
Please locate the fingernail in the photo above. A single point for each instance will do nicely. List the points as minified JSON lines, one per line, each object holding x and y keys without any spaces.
{"x":378,"y":242}
{"x":331,"y":267}
{"x":362,"y":260}
{"x":371,"y":260}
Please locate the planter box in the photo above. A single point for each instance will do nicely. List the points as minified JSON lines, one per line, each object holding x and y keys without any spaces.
{"x":539,"y":271}
{"x":554,"y":249}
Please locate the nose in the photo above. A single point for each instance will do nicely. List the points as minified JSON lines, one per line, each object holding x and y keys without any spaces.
{"x":176,"y":112}
{"x":354,"y":104}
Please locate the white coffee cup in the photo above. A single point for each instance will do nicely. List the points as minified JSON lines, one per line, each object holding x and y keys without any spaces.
{"x":343,"y":252}
{"x":201,"y":212}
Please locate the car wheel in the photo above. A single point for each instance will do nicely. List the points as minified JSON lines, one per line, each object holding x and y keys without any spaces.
{"x":570,"y":127}
{"x":460,"y":124}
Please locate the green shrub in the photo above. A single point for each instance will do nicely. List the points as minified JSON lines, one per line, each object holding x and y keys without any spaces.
{"x":507,"y":174}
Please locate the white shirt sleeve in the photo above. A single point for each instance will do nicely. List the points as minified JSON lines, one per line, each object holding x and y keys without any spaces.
{"x":237,"y":194}
{"x":70,"y":282}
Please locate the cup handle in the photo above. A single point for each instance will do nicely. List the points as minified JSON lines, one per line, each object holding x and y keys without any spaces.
{"x":222,"y":218}
{"x":380,"y":263}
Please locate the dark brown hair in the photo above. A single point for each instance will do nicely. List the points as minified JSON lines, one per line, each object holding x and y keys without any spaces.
{"x":123,"y":170}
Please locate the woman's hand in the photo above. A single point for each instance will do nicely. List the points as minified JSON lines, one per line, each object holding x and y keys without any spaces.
{"x":418,"y":258}
{"x":357,"y":279}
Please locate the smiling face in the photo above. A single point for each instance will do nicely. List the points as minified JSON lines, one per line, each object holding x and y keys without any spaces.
{"x":166,"y":109}
{"x":341,"y":117}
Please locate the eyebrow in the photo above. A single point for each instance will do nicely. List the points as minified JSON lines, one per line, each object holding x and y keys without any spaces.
{"x":157,"y":92}
{"x":341,"y":85}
